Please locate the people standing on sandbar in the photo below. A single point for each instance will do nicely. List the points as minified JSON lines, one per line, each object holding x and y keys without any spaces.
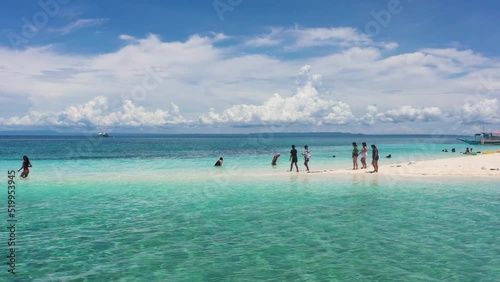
{"x":355,"y":152}
{"x":364,"y":155}
{"x":307,"y":156}
{"x":293,"y":158}
{"x":25,"y":167}
{"x":375,"y":158}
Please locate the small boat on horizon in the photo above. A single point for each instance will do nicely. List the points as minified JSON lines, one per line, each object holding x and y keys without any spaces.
{"x":103,"y":134}
{"x":484,"y":138}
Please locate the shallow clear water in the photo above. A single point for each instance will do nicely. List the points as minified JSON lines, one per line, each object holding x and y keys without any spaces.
{"x":110,"y":219}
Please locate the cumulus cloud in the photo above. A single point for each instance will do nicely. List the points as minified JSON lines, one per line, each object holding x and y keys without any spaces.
{"x":409,"y":113}
{"x":480,"y":111}
{"x":303,"y":107}
{"x":238,"y":82}
{"x":401,"y":114}
{"x":369,"y":117}
{"x":98,"y":112}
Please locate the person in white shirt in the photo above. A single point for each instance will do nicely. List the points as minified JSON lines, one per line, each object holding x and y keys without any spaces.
{"x":307,"y":156}
{"x":364,"y":155}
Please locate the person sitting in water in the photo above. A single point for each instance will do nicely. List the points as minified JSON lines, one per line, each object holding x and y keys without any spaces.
{"x":467,"y":150}
{"x":219,"y":162}
{"x":275,"y":159}
{"x":389,"y":156}
{"x":453,"y":150}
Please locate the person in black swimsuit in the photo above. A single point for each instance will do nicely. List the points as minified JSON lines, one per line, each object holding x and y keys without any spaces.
{"x":375,"y":158}
{"x":293,"y":158}
{"x":219,"y":162}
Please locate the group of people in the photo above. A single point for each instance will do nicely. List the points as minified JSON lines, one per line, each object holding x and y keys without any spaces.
{"x":294,"y":159}
{"x":355,"y":153}
{"x":364,"y":154}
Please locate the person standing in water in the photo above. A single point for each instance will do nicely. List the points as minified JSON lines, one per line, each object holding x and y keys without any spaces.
{"x":25,"y":167}
{"x":219,"y":162}
{"x":364,"y":155}
{"x":293,"y":158}
{"x":355,"y":152}
{"x":307,"y":156}
{"x":375,"y":158}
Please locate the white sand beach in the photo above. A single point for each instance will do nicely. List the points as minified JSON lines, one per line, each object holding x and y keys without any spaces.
{"x":480,"y":165}
{"x":484,"y":166}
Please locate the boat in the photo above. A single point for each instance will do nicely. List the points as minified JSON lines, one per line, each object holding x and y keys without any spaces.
{"x":103,"y":134}
{"x":484,"y":138}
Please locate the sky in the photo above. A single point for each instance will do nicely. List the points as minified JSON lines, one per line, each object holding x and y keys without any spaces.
{"x":242,"y":66}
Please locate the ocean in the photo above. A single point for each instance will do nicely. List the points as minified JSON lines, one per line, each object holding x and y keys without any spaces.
{"x":152,"y":207}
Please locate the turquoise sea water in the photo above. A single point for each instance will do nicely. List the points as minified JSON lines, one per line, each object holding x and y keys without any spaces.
{"x":153,"y":208}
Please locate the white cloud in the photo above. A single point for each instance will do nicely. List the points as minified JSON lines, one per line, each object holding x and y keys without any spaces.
{"x":304,"y":107}
{"x":127,"y":37}
{"x":401,"y":114}
{"x":98,"y":112}
{"x":462,"y":57}
{"x":219,"y":37}
{"x":369,"y":117}
{"x":198,"y":74}
{"x":78,"y":24}
{"x":480,"y":111}
{"x":302,"y":38}
{"x":308,"y":37}
{"x":270,"y":39}
{"x":409,"y":113}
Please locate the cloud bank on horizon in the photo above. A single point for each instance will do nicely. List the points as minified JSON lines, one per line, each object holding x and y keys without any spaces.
{"x":324,"y":78}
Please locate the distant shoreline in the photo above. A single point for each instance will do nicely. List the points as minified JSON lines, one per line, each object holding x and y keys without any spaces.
{"x":254,"y":134}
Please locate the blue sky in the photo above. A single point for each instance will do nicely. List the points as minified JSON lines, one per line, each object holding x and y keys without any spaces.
{"x":242,"y":66}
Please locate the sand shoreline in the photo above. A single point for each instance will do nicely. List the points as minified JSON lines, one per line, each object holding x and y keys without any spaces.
{"x":455,"y":167}
{"x":467,"y":166}
{"x":481,"y":165}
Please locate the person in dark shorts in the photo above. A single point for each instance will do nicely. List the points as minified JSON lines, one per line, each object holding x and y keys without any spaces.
{"x":25,"y":167}
{"x":375,"y":158}
{"x":293,"y":158}
{"x":355,"y":153}
{"x":219,"y":162}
